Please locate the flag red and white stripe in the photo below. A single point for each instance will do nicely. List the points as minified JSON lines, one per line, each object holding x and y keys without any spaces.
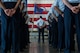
{"x":41,"y":3}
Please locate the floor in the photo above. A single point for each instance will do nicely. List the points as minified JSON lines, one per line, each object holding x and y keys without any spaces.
{"x":35,"y":47}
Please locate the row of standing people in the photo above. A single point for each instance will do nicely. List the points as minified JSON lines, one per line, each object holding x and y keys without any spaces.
{"x":14,"y":30}
{"x":63,"y":16}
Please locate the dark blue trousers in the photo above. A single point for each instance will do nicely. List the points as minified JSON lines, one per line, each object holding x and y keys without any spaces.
{"x":25,"y":35}
{"x":50,"y":35}
{"x":68,"y":16}
{"x":27,"y":30}
{"x":72,"y":36}
{"x":60,"y":32}
{"x":49,"y":28}
{"x":54,"y":34}
{"x":21,"y":39}
{"x":10,"y":30}
{"x":41,"y":32}
{"x":0,"y":30}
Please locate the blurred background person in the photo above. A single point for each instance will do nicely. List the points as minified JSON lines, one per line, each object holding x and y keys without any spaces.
{"x":41,"y":25}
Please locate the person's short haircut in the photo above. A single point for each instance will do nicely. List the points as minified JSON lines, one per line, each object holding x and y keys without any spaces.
{"x":40,"y":16}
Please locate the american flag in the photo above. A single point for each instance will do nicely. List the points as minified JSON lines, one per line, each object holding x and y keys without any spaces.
{"x":38,"y":9}
{"x":42,"y":4}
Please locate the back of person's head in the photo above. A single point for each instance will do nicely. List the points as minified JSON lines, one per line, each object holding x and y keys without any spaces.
{"x":40,"y":16}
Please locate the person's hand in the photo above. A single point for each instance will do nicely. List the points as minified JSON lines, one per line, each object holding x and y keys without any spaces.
{"x":62,"y":15}
{"x":12,"y":12}
{"x":40,"y":27}
{"x":7,"y":12}
{"x":75,"y":9}
{"x":79,"y":6}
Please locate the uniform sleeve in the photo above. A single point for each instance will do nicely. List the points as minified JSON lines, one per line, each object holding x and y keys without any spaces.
{"x":23,"y":1}
{"x":37,"y":22}
{"x":48,"y":15}
{"x":44,"y":22}
{"x":56,"y":3}
{"x":51,"y":10}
